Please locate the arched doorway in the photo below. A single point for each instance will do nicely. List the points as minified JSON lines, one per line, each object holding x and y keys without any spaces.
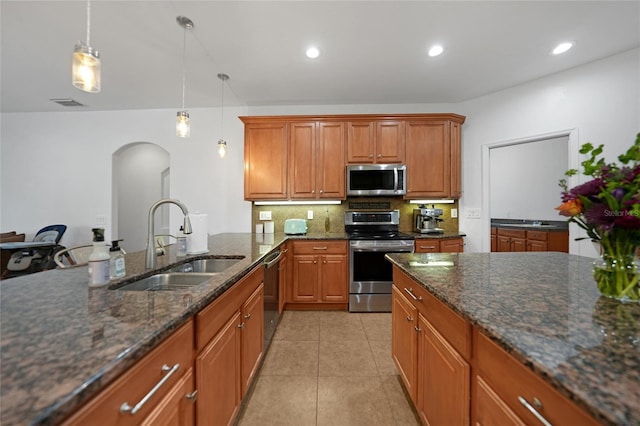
{"x":141,"y":176}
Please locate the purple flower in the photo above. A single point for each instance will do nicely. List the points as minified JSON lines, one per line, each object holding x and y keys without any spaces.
{"x":627,"y":220}
{"x":589,"y":189}
{"x":618,"y":193}
{"x":600,"y":215}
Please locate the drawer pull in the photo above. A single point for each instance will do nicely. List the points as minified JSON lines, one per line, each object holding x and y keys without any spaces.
{"x":192,"y":396}
{"x":410,"y":318}
{"x":409,"y":291}
{"x":533,"y":410}
{"x":126,"y":408}
{"x":241,"y":325}
{"x":320,"y":248}
{"x":427,"y":247}
{"x":247,"y":316}
{"x":417,"y":329}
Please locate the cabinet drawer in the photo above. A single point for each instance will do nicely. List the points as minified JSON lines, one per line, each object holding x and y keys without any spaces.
{"x":320,"y":247}
{"x":424,"y":245}
{"x":211,"y":319}
{"x":448,"y":323}
{"x":537,"y":235}
{"x":139,"y":380}
{"x":510,"y":379}
{"x":514,"y":233}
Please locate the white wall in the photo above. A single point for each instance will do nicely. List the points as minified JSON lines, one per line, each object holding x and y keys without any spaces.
{"x":57,"y":167}
{"x":523,"y":179}
{"x":599,"y":101}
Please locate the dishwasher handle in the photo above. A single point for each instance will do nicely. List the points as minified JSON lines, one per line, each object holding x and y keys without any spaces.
{"x":272,"y":259}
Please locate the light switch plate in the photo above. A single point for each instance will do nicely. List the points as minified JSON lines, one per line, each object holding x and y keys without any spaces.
{"x":266,"y":215}
{"x":473,"y":213}
{"x":309,"y":214}
{"x":454,"y":213}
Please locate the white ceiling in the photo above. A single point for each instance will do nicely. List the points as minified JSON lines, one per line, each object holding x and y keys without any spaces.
{"x":373,"y":52}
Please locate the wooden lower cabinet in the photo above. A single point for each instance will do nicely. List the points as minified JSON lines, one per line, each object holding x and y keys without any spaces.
{"x":172,"y":402}
{"x":230,"y":342}
{"x":503,"y":385}
{"x":319,"y":273}
{"x":527,"y":240}
{"x":434,"y":245}
{"x":433,"y":369}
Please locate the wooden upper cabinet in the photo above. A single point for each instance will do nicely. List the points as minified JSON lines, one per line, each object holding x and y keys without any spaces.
{"x":302,"y":168}
{"x":379,"y":142}
{"x":331,"y":181}
{"x":456,"y":160}
{"x":265,"y":161}
{"x":317,"y":167}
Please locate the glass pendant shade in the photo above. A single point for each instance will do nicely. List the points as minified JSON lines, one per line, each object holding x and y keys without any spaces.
{"x":183,"y":129}
{"x":86,"y":68}
{"x":222,"y":148}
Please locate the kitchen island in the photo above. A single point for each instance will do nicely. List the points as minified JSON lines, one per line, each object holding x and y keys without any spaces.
{"x":545,"y":311}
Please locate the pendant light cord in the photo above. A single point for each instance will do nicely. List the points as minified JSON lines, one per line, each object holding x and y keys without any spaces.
{"x":88,"y":23}
{"x":222,"y":110}
{"x":184,"y":64}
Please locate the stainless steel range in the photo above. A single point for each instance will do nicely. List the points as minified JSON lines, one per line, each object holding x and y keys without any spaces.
{"x":372,"y":234}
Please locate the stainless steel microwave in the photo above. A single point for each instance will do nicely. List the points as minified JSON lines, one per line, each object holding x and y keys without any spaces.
{"x":376,"y":180}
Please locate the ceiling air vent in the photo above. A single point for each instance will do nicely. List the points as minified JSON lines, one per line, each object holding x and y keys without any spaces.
{"x":67,"y":102}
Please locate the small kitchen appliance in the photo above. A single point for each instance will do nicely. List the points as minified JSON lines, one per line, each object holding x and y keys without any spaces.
{"x":295,"y":226}
{"x":426,"y":220}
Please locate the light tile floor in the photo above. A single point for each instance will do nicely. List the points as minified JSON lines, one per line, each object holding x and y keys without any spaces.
{"x":329,"y":368}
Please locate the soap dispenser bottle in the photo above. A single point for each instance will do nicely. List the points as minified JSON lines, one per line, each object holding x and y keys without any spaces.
{"x":98,"y":260}
{"x":181,"y":243}
{"x":116,"y":261}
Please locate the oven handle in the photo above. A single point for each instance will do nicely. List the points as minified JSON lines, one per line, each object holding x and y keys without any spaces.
{"x":403,"y":249}
{"x":395,"y":179}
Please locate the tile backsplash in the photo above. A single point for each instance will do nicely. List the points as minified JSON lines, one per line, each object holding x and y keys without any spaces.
{"x":336,"y":214}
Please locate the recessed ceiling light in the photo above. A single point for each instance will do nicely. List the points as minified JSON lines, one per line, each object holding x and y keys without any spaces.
{"x":313,"y":52}
{"x":562,"y":47}
{"x":436,"y":50}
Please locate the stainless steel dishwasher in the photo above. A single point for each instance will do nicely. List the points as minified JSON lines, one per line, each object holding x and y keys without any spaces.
{"x":271,"y":295}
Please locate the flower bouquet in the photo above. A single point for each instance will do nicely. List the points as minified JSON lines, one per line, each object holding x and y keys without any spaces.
{"x":607,"y":207}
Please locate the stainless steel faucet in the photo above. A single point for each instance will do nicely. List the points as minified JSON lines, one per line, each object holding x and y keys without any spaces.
{"x":151,"y":258}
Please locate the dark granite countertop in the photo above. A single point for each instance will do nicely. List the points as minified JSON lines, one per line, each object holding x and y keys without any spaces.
{"x":61,"y":341}
{"x":533,"y":225}
{"x":544,"y":308}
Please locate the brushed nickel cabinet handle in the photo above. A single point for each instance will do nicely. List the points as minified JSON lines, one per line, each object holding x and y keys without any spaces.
{"x":247,"y":316}
{"x":320,"y":248}
{"x":417,"y":329}
{"x":241,"y":325}
{"x":533,"y":410}
{"x":193,"y":396}
{"x":410,"y":318}
{"x":409,"y":291}
{"x":126,"y":408}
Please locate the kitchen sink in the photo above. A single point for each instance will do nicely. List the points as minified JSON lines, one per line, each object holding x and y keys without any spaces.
{"x":167,"y":281}
{"x":527,"y":225}
{"x":217,"y":264}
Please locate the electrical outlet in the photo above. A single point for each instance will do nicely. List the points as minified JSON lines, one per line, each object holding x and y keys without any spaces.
{"x":101,"y":219}
{"x":266,"y":215}
{"x":309,"y":214}
{"x":454,"y":213}
{"x":473,"y":213}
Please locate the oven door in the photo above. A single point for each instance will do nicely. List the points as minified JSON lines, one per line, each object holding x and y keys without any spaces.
{"x":371,"y":275}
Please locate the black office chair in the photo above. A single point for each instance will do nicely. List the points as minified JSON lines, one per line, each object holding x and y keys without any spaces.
{"x":36,"y":259}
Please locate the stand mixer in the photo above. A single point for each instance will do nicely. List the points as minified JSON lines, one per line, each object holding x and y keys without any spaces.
{"x":425,"y":220}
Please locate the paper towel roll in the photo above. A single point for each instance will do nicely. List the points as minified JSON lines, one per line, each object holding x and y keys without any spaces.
{"x":268,"y":227}
{"x":198,"y":240}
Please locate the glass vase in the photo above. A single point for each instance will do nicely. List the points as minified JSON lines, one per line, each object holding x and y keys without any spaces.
{"x":617,"y":272}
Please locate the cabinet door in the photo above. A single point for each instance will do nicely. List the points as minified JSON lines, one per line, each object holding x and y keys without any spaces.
{"x":455,"y":245}
{"x":333,"y":278}
{"x":428,"y":159}
{"x":305,"y":278}
{"x":518,"y":244}
{"x":331,"y":161}
{"x":302,"y":164}
{"x":443,"y":379}
{"x":533,"y":245}
{"x":426,"y":245}
{"x":504,"y":243}
{"x":389,"y":142}
{"x":265,"y":161}
{"x":252,"y":331}
{"x":218,"y":376}
{"x":490,"y":409}
{"x":178,"y":408}
{"x":360,"y":142}
{"x":404,"y":340}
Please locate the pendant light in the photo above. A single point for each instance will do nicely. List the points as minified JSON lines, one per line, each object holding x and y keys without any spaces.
{"x":222,"y":144}
{"x":85,"y":71}
{"x":183,"y":128}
